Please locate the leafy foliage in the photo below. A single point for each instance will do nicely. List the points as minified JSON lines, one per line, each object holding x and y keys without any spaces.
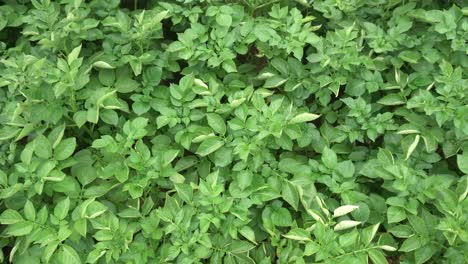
{"x":208,"y":131}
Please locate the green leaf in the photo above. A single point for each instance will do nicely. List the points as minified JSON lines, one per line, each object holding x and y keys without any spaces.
{"x":304,"y":117}
{"x":290,"y":194}
{"x":377,"y":256}
{"x":65,"y":149}
{"x":80,"y":118}
{"x":410,"y":56}
{"x":73,"y":56}
{"x":411,"y":244}
{"x":423,"y":254}
{"x":298,"y":234}
{"x":216,"y":122}
{"x":346,"y":224}
{"x":412,"y":147}
{"x":224,"y":20}
{"x":8,"y":132}
{"x":61,"y":209}
{"x":229,"y":66}
{"x":49,"y":250}
{"x":311,"y":248}
{"x":81,"y":227}
{"x":185,"y":192}
{"x":238,"y":246}
{"x":107,"y":77}
{"x":29,"y":211}
{"x":68,"y":255}
{"x":9,"y":217}
{"x":209,"y":145}
{"x":401,"y":231}
{"x":95,"y":255}
{"x":343,"y":210}
{"x":395,"y":214}
{"x":368,"y":234}
{"x":329,"y":158}
{"x":102,"y":65}
{"x":42,"y":147}
{"x":344,"y":169}
{"x":21,"y":228}
{"x":27,"y":153}
{"x":93,"y":209}
{"x":274,"y":82}
{"x":248,"y":232}
{"x":392,"y":99}
{"x":387,"y":248}
{"x":244,"y":179}
{"x":281,"y":217}
{"x":462,"y":162}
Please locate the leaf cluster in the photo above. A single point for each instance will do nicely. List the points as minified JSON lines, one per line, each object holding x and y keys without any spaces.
{"x":254,"y":131}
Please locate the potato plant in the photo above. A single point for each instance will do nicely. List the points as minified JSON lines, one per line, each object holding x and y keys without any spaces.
{"x":250,"y":131}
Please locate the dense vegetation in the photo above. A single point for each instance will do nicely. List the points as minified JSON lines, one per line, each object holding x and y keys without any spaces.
{"x":253,"y":131}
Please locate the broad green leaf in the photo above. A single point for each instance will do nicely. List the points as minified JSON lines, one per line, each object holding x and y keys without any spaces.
{"x":410,"y":56}
{"x":65,"y":149}
{"x":311,"y":248}
{"x":343,"y":210}
{"x":209,"y":145}
{"x":462,"y":161}
{"x":216,"y":122}
{"x":49,"y":250}
{"x":329,"y":158}
{"x":298,"y":234}
{"x":281,"y":217}
{"x":81,"y":227}
{"x":244,"y":179}
{"x":21,"y":228}
{"x":29,"y":211}
{"x":377,"y":256}
{"x":248,"y":232}
{"x":395,"y":214}
{"x":61,"y":209}
{"x":68,"y":255}
{"x":9,"y":217}
{"x":42,"y":147}
{"x":73,"y":55}
{"x":423,"y":254}
{"x":107,"y":77}
{"x":368,"y":234}
{"x":185,"y":192}
{"x":8,"y":132}
{"x":239,"y":246}
{"x":304,"y":117}
{"x":411,"y":244}
{"x":392,"y":99}
{"x":346,"y":224}
{"x":344,"y":169}
{"x":94,"y":209}
{"x":229,"y":66}
{"x":224,"y":20}
{"x":290,"y":194}
{"x":402,"y":231}
{"x":80,"y":118}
